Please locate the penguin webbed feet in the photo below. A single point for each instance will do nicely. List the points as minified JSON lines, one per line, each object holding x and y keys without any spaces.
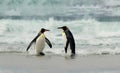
{"x":41,"y":54}
{"x":72,"y":55}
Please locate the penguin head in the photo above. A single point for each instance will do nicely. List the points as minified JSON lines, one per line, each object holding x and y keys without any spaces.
{"x":43,"y":30}
{"x":63,"y":27}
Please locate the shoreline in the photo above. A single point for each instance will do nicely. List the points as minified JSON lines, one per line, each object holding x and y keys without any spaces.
{"x":16,"y":62}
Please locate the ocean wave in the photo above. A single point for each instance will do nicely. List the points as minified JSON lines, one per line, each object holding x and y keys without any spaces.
{"x":15,"y":35}
{"x":101,"y":10}
{"x":83,"y":30}
{"x":98,"y":17}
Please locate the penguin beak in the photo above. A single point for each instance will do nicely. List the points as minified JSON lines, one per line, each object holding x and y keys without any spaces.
{"x":59,"y":27}
{"x":47,"y":30}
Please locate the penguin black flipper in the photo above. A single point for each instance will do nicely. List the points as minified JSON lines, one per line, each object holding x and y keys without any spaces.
{"x":71,"y":40}
{"x":72,"y":46}
{"x":48,"y":42}
{"x":33,"y":41}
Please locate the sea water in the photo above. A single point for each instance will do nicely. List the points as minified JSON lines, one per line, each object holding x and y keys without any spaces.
{"x":95,"y":24}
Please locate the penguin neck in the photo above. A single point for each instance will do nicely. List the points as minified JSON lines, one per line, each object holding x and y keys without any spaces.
{"x":65,"y":30}
{"x":63,"y":33}
{"x":42,"y":35}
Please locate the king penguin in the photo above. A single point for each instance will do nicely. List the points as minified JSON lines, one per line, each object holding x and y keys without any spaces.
{"x":69,"y":39}
{"x":39,"y":41}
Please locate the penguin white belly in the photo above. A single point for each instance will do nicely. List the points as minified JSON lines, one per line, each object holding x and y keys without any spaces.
{"x":40,"y":43}
{"x":64,"y":38}
{"x":64,"y":41}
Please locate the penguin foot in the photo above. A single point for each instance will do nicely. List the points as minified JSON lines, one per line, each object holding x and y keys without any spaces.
{"x":42,"y":54}
{"x":72,"y":55}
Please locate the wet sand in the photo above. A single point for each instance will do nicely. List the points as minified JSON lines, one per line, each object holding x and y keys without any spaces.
{"x":24,"y":63}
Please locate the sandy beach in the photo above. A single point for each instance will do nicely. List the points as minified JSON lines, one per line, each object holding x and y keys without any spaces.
{"x":24,"y":63}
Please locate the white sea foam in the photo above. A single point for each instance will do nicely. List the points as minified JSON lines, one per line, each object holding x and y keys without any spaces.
{"x":86,"y":33}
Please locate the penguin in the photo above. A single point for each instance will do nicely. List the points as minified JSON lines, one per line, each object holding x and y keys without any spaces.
{"x":39,"y":41}
{"x":69,"y":39}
